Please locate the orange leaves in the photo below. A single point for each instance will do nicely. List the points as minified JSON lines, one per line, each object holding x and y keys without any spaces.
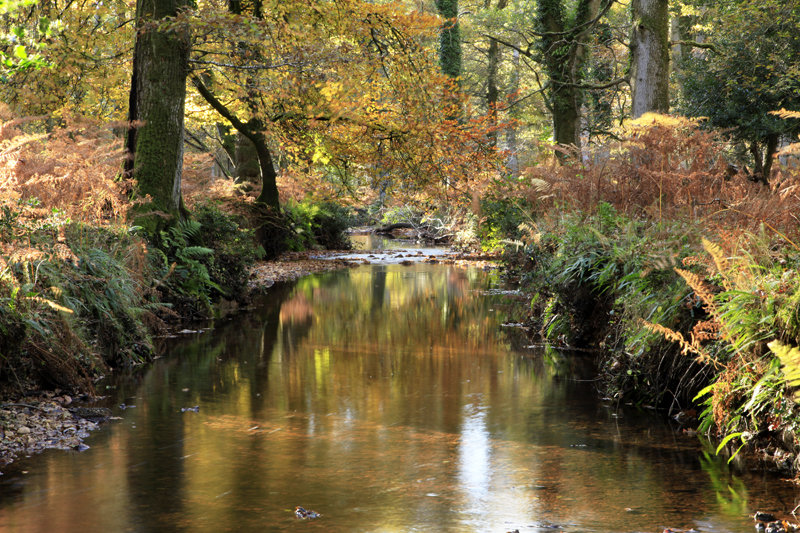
{"x":72,"y":169}
{"x":349,"y":92}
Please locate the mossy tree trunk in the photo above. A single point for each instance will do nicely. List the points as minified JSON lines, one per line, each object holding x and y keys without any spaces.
{"x":157,"y":94}
{"x":650,"y":51}
{"x":563,"y":49}
{"x":449,"y":38}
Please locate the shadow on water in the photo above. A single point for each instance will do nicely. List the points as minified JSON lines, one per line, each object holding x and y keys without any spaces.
{"x":386,"y":398}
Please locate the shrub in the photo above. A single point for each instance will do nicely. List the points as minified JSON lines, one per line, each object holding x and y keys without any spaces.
{"x":234,"y":248}
{"x":317,"y":225}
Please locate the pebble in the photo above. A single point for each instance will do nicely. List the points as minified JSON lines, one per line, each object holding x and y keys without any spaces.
{"x":32,"y":425}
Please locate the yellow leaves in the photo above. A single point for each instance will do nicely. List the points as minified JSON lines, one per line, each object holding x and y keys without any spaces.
{"x":789,"y":357}
{"x":784,"y":113}
{"x":320,"y":156}
{"x":330,"y":90}
{"x":794,"y":148}
{"x":648,"y":120}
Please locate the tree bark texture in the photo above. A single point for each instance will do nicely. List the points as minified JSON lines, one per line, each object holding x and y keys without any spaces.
{"x":650,"y":51}
{"x":158,"y":91}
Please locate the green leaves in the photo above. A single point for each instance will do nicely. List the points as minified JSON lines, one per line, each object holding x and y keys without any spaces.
{"x":729,"y":438}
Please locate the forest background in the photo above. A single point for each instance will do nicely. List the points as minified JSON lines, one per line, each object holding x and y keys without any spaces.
{"x":637,"y":161}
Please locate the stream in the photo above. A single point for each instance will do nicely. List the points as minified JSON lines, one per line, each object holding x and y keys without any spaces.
{"x":387,"y":398}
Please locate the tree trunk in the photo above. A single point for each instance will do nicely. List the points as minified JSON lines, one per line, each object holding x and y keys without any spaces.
{"x":511,"y":131}
{"x":492,"y":92}
{"x":566,"y":103}
{"x":269,"y":178}
{"x":762,"y":163}
{"x":650,"y":52}
{"x":449,"y":38}
{"x":158,"y":91}
{"x":676,"y":36}
{"x":564,"y":50}
{"x":248,"y":168}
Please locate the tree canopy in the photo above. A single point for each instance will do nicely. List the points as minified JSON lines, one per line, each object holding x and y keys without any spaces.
{"x":750,"y":68}
{"x":430,"y":97}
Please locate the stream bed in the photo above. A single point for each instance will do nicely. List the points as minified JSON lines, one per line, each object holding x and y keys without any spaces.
{"x":387,"y":398}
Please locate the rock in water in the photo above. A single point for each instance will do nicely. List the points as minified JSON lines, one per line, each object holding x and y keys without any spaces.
{"x":305,"y":514}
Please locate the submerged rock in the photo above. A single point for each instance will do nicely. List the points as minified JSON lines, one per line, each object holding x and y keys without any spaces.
{"x":95,"y":414}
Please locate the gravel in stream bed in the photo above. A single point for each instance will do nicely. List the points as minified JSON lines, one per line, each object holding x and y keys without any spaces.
{"x":34,"y":424}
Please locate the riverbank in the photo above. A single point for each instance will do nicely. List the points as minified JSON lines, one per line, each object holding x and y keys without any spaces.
{"x":697,"y":325}
{"x":33,"y":422}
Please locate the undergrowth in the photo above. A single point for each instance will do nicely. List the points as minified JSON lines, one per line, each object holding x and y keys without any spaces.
{"x":80,"y":291}
{"x":679,"y":272}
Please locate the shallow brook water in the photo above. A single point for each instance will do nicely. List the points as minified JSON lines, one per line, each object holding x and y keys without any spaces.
{"x":387,"y":397}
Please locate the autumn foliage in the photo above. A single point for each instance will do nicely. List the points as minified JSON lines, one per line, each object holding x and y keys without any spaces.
{"x":668,"y":168}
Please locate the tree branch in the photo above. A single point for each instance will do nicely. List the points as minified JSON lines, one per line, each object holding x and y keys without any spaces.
{"x":221,"y":108}
{"x":695,"y":44}
{"x":577,"y":29}
{"x":244,"y":67}
{"x":527,"y":52}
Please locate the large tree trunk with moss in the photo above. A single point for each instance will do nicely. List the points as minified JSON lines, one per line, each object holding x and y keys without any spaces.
{"x":450,"y":38}
{"x":563,"y":48}
{"x":650,"y":51}
{"x":158,"y":91}
{"x":566,"y":103}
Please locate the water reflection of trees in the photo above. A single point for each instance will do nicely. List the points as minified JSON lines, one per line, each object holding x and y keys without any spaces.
{"x":374,"y":377}
{"x":385,"y":399}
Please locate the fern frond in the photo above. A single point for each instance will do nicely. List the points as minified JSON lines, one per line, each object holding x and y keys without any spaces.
{"x":694,"y":347}
{"x":700,"y":289}
{"x":720,"y":261}
{"x":540,"y":185}
{"x":190,"y":229}
{"x":671,"y":335}
{"x":789,"y":357}
{"x":195,"y":251}
{"x":785,"y":113}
